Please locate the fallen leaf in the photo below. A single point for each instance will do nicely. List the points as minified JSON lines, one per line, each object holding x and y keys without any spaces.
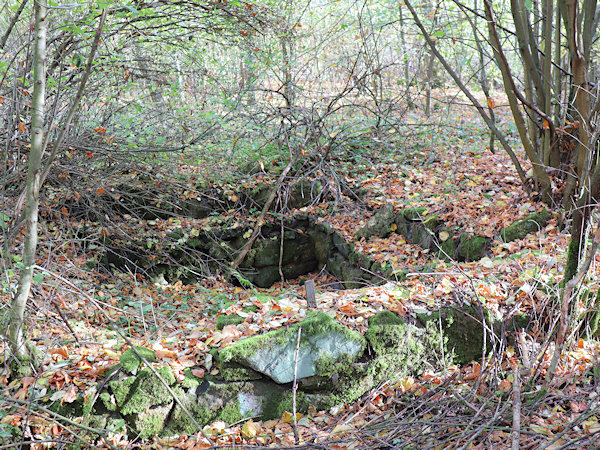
{"x":70,"y":396}
{"x":250,"y":429}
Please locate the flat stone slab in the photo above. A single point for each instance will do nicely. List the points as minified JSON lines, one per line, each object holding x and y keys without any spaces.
{"x":323,"y":344}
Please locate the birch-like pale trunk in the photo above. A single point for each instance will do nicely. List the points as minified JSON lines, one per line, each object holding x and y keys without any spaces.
{"x":16,"y":337}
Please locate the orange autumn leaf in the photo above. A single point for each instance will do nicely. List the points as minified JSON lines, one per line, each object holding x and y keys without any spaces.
{"x":100,"y":129}
{"x":100,"y":191}
{"x":165,"y":353}
{"x":348,"y":308}
{"x":473,"y":372}
{"x":62,"y":351}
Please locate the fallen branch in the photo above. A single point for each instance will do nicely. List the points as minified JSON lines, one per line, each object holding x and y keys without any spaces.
{"x":261,"y":219}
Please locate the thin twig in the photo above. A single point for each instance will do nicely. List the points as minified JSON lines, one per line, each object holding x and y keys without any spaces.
{"x":295,"y":386}
{"x":516,"y":431}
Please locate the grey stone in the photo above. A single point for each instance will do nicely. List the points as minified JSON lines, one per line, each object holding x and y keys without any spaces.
{"x":323,"y":343}
{"x":378,"y":225}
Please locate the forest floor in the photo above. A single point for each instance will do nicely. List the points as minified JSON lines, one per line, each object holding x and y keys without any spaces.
{"x":445,"y":168}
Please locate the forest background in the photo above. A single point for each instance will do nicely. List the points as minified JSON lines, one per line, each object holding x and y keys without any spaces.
{"x":121,"y":117}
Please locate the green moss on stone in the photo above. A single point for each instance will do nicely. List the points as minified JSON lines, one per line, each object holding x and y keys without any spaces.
{"x":521,"y":228}
{"x":228,"y":319}
{"x":130,"y":362}
{"x":231,"y":412}
{"x":448,"y":248}
{"x":414,"y":214}
{"x":152,"y":421}
{"x":472,"y":247}
{"x":190,"y":381}
{"x":108,"y":401}
{"x":385,"y":318}
{"x":317,"y":323}
{"x":138,"y":393}
{"x":462,"y":330}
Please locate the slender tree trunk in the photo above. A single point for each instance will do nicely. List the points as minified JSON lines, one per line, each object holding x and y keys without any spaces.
{"x":404,"y":57}
{"x":548,"y":12}
{"x":483,"y":81}
{"x":16,"y":337}
{"x":287,"y":49}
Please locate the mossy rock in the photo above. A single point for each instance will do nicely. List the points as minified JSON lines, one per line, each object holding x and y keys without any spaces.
{"x":448,"y":247}
{"x":402,"y":224}
{"x":379,"y":225}
{"x":463,"y":330}
{"x":227,"y":401}
{"x":151,"y":421}
{"x":341,"y":245}
{"x":273,"y":353}
{"x":521,"y":228}
{"x":130,"y":361}
{"x":322,"y":244}
{"x":137,"y":393}
{"x":228,"y":319}
{"x":399,"y":346}
{"x":472,"y":247}
{"x":414,"y":214}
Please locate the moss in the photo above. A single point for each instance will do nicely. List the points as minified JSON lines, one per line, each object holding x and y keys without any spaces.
{"x":231,"y":412}
{"x":137,"y":393}
{"x":385,"y":318}
{"x":73,"y":409}
{"x":108,"y":401}
{"x":180,"y":421}
{"x":448,"y":248}
{"x":236,"y":372}
{"x":572,"y":261}
{"x":462,"y":331}
{"x":228,"y":319}
{"x":151,"y":421}
{"x":399,"y":347}
{"x":414,"y":214}
{"x":130,"y":362}
{"x":521,"y":228}
{"x":472,"y":247}
{"x":190,"y":381}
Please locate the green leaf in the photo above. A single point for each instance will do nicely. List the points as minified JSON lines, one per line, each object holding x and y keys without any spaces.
{"x":132,"y":9}
{"x":38,"y":278}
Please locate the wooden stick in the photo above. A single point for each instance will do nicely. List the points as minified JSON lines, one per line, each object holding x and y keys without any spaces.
{"x":311,"y":297}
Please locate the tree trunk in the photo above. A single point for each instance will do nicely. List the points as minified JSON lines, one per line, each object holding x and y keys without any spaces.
{"x":16,"y":337}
